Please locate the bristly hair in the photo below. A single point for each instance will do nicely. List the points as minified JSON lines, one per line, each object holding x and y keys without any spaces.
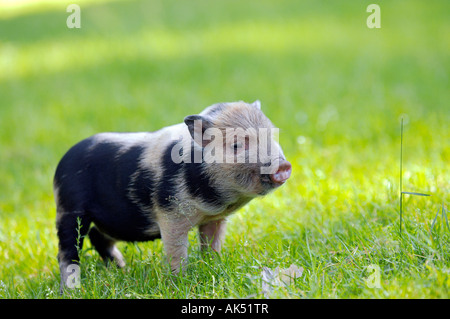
{"x":242,"y":115}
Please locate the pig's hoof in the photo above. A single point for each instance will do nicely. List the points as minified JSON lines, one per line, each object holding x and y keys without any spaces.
{"x":117,"y":257}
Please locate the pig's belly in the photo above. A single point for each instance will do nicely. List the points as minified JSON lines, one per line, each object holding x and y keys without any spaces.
{"x":125,"y":223}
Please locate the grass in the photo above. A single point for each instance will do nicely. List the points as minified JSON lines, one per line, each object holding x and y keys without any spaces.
{"x":336,"y":90}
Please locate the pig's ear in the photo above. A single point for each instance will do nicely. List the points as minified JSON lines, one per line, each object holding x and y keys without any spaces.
{"x":257,"y":104}
{"x":198,"y":124}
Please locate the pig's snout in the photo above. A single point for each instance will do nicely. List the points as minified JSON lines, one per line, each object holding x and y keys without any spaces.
{"x":282,"y":174}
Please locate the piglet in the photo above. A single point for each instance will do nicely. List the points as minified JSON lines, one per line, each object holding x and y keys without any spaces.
{"x":142,"y":186}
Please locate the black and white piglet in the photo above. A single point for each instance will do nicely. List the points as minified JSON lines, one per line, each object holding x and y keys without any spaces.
{"x":142,"y":186}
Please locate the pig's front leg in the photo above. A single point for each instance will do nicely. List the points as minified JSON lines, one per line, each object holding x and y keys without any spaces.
{"x":174,"y":235}
{"x":212,"y":235}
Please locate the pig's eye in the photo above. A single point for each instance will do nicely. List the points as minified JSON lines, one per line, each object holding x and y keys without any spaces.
{"x":237,"y":146}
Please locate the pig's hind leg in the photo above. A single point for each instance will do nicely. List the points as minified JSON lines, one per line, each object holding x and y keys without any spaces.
{"x":105,"y":247}
{"x":71,"y":227}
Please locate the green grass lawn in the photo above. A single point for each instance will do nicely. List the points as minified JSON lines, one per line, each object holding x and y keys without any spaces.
{"x":336,"y":89}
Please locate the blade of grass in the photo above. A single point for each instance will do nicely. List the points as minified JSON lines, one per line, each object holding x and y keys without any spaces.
{"x":412,"y":193}
{"x":401,"y":177}
{"x":444,"y":214}
{"x":434,"y":220}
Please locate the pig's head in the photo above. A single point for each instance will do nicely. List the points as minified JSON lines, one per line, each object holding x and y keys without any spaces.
{"x":239,"y":148}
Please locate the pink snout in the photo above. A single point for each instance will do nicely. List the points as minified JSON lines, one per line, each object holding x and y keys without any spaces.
{"x":282,"y":174}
